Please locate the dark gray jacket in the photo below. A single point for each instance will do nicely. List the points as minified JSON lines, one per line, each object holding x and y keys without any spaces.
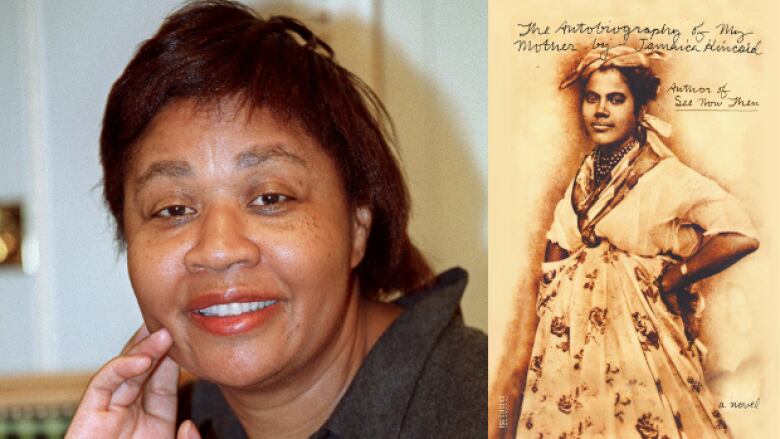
{"x":426,"y":377}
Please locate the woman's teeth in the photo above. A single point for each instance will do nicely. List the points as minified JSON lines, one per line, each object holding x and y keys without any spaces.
{"x":234,"y":309}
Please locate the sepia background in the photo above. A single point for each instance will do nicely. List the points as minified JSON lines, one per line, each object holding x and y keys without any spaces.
{"x":536,"y":143}
{"x":69,"y":306}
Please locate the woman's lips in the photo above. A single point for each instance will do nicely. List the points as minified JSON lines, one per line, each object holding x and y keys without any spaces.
{"x":232,"y":313}
{"x":599,"y":127}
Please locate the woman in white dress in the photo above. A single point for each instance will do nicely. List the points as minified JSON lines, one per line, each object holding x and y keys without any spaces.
{"x":615,"y":353}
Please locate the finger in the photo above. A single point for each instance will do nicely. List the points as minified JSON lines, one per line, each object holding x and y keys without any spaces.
{"x":187,"y":430}
{"x":154,"y":346}
{"x":139,"y":335}
{"x":109,"y":378}
{"x":161,"y":390}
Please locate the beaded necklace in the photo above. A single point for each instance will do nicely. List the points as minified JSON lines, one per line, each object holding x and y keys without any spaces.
{"x":605,"y":163}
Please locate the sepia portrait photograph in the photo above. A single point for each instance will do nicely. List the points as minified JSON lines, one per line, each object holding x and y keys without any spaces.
{"x":633,"y":220}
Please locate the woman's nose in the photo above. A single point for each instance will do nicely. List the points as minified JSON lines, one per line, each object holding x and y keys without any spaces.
{"x":222,"y":242}
{"x":601,"y":108}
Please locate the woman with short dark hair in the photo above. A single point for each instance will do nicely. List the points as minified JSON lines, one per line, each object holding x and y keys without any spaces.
{"x":265,"y":218}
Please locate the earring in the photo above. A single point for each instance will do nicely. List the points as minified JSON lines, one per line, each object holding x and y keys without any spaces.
{"x":639,"y":119}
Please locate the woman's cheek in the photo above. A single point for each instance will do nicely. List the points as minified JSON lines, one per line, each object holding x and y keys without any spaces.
{"x":154,"y":268}
{"x":303,"y":246}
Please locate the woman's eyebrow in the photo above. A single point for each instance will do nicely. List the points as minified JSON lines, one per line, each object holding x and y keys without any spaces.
{"x":163,"y":168}
{"x":263,"y":153}
{"x":247,"y":159}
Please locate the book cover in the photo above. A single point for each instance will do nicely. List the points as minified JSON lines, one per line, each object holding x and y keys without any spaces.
{"x":559,"y":330}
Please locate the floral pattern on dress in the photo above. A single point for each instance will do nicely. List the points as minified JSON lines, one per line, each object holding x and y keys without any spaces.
{"x":529,"y":423}
{"x":647,"y":426}
{"x":536,"y":365}
{"x":570,"y":401}
{"x":695,"y":384}
{"x":570,"y":271}
{"x":547,"y":291}
{"x":536,"y":368}
{"x":648,"y":286}
{"x":544,"y":301}
{"x":578,"y":357}
{"x":611,"y":254}
{"x":558,"y":327}
{"x":598,"y":319}
{"x":609,"y":374}
{"x":720,"y":423}
{"x":577,"y":432}
{"x":549,"y":277}
{"x":619,"y":342}
{"x":648,"y":335}
{"x":620,"y":404}
{"x":591,"y":283}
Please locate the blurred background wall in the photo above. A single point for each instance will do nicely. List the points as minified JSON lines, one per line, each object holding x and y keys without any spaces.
{"x":71,"y":307}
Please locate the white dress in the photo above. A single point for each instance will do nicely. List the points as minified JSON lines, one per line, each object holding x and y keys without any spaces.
{"x":609,"y":359}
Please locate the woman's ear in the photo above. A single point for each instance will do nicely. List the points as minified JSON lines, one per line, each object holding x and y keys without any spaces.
{"x":361,"y":229}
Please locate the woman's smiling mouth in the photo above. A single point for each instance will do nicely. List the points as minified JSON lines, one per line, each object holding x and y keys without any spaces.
{"x":232,"y":313}
{"x":234,"y":308}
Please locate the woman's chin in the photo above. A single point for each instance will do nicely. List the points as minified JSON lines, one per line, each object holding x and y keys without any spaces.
{"x":237,"y":368}
{"x":608,"y":139}
{"x":603,"y":140}
{"x":233,"y":379}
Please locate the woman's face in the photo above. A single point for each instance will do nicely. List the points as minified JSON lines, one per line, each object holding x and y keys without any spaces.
{"x":608,"y":108}
{"x":240,"y":241}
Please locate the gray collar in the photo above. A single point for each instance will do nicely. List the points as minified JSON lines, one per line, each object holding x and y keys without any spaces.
{"x":377,"y":400}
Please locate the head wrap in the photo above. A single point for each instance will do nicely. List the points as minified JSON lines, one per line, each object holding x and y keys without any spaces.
{"x":618,"y":56}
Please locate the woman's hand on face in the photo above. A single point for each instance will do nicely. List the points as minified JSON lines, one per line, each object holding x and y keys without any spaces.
{"x":134,"y":394}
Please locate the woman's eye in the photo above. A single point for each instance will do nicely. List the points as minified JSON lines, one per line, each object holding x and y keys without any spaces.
{"x":176,"y":211}
{"x":591,"y":99}
{"x":617,"y":99}
{"x":269,"y":200}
